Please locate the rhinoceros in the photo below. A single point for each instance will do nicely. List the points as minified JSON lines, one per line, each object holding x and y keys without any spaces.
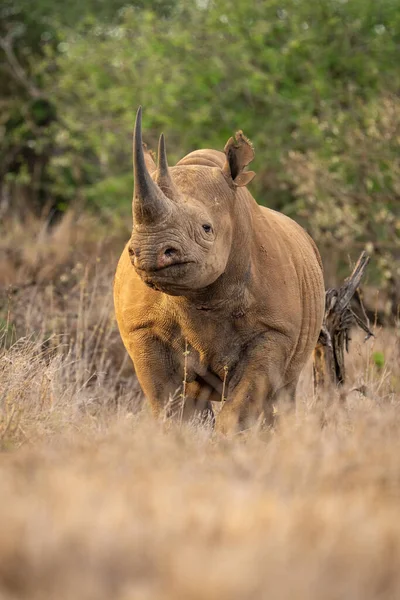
{"x":214,"y":292}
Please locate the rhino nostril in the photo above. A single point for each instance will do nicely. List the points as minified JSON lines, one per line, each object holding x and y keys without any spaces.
{"x":170,"y":252}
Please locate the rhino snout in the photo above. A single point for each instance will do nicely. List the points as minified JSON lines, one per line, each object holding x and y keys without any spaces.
{"x":165,"y":257}
{"x":168,"y":257}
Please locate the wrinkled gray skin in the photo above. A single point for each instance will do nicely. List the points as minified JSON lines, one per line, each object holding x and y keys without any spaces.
{"x":242,"y":285}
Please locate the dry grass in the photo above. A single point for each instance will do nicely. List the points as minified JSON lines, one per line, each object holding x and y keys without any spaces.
{"x":100,"y":502}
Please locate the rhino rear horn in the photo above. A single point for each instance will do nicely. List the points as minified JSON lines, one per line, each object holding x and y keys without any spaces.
{"x":239,"y":153}
{"x":149,"y":203}
{"x":163,"y":176}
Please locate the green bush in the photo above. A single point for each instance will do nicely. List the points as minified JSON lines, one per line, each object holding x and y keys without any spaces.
{"x":315,"y":85}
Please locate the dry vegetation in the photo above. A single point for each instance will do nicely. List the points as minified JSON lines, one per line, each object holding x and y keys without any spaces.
{"x":100,"y":502}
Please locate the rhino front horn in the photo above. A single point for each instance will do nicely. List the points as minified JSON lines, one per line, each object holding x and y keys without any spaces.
{"x":149,"y":203}
{"x":163,"y":177}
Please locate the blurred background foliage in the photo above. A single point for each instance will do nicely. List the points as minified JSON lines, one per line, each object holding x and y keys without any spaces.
{"x":315,"y":84}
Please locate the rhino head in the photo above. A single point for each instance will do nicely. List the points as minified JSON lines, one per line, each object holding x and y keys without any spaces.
{"x":184,"y":216}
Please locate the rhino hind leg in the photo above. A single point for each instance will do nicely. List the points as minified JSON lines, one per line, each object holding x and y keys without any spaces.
{"x":259,"y":407}
{"x":198,"y":407}
{"x":287,"y":394}
{"x":198,"y":413}
{"x":284,"y":402}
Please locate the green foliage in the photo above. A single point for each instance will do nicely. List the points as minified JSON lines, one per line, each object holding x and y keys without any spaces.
{"x":378,"y":359}
{"x":314,"y":84}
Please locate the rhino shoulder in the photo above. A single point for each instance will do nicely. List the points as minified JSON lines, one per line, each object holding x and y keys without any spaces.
{"x":290,"y":227}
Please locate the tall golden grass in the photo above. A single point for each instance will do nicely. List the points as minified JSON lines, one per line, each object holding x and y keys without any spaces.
{"x":98,"y":501}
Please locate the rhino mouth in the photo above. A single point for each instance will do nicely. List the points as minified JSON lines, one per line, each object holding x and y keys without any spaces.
{"x":169,"y":279}
{"x":171,"y":267}
{"x":166,"y":278}
{"x":164,"y":269}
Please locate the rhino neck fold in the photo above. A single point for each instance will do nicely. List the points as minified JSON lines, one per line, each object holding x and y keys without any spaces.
{"x":226,"y":292}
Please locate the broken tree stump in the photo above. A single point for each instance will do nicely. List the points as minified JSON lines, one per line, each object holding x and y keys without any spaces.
{"x":329,"y":364}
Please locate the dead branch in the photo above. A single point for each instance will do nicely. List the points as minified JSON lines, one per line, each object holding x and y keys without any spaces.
{"x":329,"y":363}
{"x":15,"y":67}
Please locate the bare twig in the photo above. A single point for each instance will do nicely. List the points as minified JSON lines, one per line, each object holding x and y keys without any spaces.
{"x":15,"y":67}
{"x":184,"y":383}
{"x":347,"y":291}
{"x":223,"y":397}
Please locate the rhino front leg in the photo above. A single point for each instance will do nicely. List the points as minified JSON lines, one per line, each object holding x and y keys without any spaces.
{"x":259,"y":377}
{"x":160,"y":372}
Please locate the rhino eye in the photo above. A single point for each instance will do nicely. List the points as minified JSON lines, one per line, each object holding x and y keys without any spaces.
{"x":207,"y":228}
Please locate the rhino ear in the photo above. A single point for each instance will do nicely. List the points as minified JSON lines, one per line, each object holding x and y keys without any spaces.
{"x":149,"y":159}
{"x":239,"y":153}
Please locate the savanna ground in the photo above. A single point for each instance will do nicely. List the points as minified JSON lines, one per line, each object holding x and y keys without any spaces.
{"x":100,"y":502}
